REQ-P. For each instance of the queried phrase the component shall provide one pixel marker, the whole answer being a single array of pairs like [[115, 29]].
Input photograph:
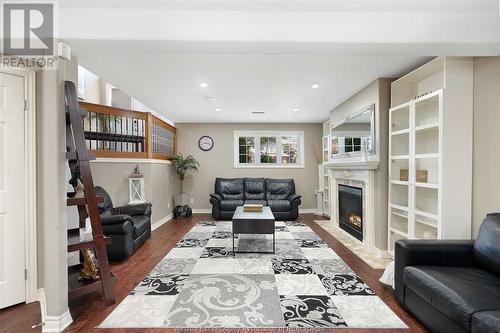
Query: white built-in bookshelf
[[324, 173], [430, 152]]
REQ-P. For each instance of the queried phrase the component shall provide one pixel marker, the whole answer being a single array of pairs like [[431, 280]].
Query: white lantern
[[136, 187]]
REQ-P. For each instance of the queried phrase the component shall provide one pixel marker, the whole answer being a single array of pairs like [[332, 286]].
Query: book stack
[[253, 208]]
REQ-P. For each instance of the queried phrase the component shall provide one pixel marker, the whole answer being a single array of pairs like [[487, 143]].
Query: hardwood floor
[[88, 312]]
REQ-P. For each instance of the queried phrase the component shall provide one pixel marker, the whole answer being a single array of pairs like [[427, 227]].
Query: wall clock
[[206, 143]]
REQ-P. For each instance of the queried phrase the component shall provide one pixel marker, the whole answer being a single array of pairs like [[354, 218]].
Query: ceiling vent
[[258, 112]]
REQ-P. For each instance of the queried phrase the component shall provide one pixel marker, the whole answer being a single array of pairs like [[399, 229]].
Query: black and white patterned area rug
[[200, 284]]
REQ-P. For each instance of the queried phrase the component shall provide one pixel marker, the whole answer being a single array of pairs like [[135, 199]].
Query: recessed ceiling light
[[216, 110], [315, 86], [295, 110], [204, 85]]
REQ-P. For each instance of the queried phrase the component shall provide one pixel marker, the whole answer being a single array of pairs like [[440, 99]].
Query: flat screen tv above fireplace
[[351, 210]]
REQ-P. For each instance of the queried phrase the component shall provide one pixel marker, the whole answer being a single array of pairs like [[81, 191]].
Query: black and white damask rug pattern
[[200, 284]]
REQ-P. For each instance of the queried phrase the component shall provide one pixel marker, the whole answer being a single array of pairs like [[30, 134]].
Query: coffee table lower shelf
[[264, 252]]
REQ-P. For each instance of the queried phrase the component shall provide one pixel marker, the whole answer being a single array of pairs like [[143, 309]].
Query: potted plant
[[182, 166]]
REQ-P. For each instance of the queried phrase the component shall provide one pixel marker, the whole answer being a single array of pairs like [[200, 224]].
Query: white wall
[[486, 164]]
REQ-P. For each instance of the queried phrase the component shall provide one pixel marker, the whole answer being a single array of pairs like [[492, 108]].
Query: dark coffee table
[[253, 223]]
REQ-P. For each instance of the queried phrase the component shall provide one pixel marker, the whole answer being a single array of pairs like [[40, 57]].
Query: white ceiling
[[264, 55], [241, 84]]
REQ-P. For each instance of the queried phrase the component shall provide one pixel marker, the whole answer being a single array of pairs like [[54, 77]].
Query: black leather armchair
[[278, 194], [452, 286], [127, 226]]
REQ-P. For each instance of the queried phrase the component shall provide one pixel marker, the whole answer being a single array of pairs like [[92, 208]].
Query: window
[[81, 82], [268, 149], [246, 149]]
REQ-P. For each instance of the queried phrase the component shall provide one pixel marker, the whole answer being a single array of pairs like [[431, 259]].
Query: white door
[[12, 224]]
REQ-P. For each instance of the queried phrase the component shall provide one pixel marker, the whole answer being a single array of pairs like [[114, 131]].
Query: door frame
[[30, 202]]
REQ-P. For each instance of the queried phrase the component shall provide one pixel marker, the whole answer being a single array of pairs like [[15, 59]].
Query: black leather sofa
[[127, 226], [452, 286], [278, 194]]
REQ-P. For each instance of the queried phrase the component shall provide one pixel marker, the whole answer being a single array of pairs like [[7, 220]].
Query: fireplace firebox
[[351, 210]]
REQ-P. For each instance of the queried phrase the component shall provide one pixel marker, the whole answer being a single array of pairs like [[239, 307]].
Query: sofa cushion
[[141, 224], [279, 189], [255, 189], [487, 245], [279, 205], [486, 322], [230, 188], [256, 202], [456, 292], [230, 204]]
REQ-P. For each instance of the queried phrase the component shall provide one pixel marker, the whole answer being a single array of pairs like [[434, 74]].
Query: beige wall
[[486, 165], [160, 182], [219, 162]]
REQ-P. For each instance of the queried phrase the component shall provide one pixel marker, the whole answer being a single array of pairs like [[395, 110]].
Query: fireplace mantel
[[352, 164]]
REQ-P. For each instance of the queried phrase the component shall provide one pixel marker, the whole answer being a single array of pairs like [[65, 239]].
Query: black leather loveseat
[[278, 194], [452, 286], [127, 226]]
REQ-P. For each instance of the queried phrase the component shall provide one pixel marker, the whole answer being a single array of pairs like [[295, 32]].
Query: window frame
[[257, 161]]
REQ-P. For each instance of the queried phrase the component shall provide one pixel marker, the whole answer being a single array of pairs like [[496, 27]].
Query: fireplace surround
[[350, 199]]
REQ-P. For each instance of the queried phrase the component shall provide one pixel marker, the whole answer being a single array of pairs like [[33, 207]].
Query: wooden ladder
[[78, 160]]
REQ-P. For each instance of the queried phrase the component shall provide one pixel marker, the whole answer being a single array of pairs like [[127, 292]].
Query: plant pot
[[181, 199]]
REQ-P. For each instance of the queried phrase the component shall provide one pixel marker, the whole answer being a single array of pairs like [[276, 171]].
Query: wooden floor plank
[[89, 311]]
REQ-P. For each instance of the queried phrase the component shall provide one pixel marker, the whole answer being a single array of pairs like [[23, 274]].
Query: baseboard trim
[[56, 324], [162, 221], [43, 304], [202, 210], [307, 210]]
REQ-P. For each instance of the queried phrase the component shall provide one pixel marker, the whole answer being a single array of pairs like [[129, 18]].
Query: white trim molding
[[43, 304], [162, 221], [56, 324], [308, 210], [52, 324], [202, 210], [343, 164], [30, 188]]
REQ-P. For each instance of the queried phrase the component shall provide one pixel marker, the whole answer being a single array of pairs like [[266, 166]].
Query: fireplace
[[351, 210]]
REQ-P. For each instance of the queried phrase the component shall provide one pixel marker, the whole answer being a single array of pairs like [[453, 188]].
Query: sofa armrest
[[429, 252], [115, 219], [133, 210], [122, 227], [216, 196], [293, 197]]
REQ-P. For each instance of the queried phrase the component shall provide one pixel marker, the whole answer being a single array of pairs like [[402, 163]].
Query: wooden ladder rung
[[80, 201], [76, 244]]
